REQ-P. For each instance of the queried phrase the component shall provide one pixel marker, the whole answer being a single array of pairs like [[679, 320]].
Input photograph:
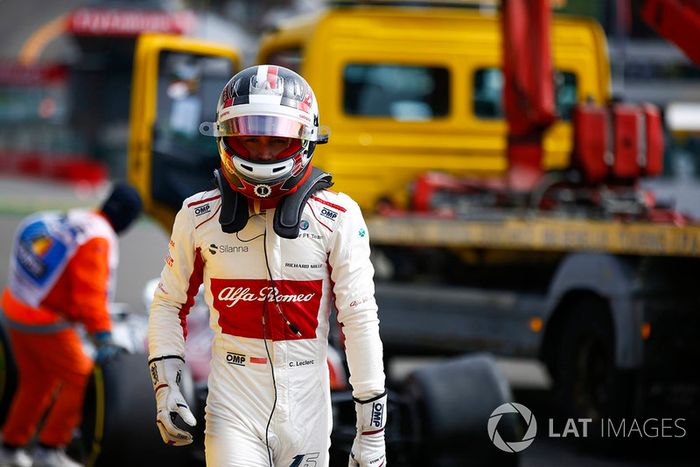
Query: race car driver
[[61, 273], [274, 249]]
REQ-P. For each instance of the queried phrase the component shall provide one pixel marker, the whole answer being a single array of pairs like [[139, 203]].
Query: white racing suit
[[328, 262]]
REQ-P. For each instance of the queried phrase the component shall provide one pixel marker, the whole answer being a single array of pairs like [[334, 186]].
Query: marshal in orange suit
[[61, 273]]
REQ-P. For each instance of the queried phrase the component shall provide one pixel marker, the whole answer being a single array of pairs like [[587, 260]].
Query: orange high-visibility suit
[[60, 274]]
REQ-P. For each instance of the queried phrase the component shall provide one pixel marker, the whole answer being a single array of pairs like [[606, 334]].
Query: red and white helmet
[[266, 100]]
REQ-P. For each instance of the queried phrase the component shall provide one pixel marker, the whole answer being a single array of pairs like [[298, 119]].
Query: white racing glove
[[165, 375], [368, 449]]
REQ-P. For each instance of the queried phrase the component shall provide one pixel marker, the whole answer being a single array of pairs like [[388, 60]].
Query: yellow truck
[[608, 306], [406, 90]]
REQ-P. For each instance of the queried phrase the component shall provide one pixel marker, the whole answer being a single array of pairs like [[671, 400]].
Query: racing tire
[[119, 414], [8, 375], [453, 403]]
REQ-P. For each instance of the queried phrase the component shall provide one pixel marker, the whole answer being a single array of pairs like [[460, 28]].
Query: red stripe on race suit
[[240, 303], [195, 203], [192, 289], [328, 203]]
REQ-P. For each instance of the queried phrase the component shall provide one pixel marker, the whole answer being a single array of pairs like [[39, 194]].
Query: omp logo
[[377, 414], [512, 446], [325, 212], [214, 249], [235, 359], [198, 211]]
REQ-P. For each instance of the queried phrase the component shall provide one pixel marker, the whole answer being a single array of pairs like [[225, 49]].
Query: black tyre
[[8, 375], [587, 383], [118, 425], [454, 401]]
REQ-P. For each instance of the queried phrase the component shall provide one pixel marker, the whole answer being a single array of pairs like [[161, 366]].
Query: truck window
[[407, 93], [188, 90], [488, 89], [288, 58]]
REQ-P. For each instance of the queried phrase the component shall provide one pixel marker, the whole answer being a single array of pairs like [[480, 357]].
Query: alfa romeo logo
[[512, 446]]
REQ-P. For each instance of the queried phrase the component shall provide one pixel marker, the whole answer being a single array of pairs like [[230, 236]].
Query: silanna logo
[[214, 249]]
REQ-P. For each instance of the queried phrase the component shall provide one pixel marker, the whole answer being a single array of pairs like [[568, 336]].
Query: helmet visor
[[265, 149], [259, 125]]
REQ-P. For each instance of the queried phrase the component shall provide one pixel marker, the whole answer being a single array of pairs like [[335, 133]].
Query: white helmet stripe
[[262, 74]]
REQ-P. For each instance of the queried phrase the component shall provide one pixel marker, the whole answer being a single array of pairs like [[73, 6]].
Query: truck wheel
[[8, 375], [587, 384], [119, 426], [453, 403]]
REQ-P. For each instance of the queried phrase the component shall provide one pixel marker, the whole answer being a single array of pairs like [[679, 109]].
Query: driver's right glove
[[165, 375]]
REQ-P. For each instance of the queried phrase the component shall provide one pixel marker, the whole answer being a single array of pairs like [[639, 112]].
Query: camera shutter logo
[[512, 446]]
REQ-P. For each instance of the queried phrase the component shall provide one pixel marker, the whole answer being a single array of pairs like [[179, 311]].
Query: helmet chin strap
[[233, 216]]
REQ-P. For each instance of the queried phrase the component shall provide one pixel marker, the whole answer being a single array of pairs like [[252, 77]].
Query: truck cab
[[407, 90], [175, 86], [395, 108]]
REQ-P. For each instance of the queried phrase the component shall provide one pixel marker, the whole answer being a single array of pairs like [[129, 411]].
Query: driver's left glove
[[368, 449]]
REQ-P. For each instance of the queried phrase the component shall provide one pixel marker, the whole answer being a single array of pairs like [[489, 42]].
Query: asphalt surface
[[144, 247]]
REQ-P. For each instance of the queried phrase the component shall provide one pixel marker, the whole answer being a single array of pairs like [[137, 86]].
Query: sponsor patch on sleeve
[[201, 210], [329, 213]]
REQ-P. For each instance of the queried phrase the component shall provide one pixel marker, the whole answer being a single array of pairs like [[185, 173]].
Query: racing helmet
[[266, 100]]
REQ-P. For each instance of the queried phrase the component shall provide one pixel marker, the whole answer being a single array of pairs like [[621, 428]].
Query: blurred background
[[64, 104], [65, 94], [65, 81]]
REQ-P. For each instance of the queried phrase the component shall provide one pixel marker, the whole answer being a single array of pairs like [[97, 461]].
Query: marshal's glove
[[106, 348], [165, 375], [368, 449]]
